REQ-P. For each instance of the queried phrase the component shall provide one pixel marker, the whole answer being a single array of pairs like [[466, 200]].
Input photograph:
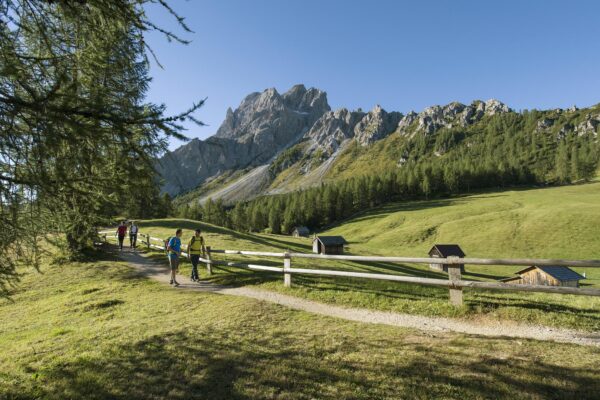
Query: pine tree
[[574, 171], [78, 140], [562, 164]]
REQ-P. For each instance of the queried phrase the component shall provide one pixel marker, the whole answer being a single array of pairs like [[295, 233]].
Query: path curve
[[159, 272]]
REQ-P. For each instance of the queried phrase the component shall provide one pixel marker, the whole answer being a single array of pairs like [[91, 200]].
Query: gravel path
[[159, 272]]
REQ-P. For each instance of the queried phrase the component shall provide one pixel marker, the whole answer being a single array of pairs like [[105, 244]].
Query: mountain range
[[275, 143]]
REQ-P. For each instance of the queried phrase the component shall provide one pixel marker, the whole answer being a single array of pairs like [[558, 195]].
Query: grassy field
[[554, 222], [98, 330]]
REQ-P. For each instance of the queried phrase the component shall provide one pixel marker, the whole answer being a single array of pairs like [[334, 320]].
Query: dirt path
[[159, 271]]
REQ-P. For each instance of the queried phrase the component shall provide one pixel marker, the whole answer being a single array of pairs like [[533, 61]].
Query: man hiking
[[174, 252], [133, 232], [196, 249], [121, 232]]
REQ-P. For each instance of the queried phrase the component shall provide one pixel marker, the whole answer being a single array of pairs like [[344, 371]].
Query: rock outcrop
[[263, 125], [376, 125], [454, 114], [589, 126], [333, 128]]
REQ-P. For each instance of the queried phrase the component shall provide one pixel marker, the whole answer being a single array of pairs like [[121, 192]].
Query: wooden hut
[[443, 251], [300, 231], [329, 244], [546, 276]]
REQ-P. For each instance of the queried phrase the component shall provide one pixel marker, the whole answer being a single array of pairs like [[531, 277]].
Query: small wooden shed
[[546, 276], [443, 251], [329, 244], [300, 231]]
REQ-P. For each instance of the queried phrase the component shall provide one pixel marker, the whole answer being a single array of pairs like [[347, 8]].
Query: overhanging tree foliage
[[77, 137]]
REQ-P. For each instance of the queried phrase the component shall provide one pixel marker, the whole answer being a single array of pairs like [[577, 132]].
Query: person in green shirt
[[196, 249]]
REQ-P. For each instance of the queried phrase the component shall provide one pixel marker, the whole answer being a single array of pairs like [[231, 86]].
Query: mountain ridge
[[269, 132]]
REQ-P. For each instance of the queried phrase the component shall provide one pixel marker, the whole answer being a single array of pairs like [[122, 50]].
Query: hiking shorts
[[173, 262]]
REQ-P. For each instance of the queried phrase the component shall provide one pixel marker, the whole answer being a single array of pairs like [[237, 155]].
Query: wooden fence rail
[[454, 282]]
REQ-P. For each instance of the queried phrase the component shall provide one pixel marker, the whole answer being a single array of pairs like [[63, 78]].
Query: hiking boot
[[171, 282], [176, 283]]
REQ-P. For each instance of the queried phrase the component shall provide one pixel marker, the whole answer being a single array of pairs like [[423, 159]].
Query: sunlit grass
[[98, 330], [557, 222]]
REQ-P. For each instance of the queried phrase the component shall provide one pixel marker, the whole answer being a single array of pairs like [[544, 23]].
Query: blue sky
[[400, 54]]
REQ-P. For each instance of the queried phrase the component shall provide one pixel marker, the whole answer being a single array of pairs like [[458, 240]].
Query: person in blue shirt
[[174, 252]]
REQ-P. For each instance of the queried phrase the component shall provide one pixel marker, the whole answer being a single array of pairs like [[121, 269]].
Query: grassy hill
[[555, 222], [97, 330], [546, 223]]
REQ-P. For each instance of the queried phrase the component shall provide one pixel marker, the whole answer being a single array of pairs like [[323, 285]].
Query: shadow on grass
[[300, 365], [270, 240], [363, 293], [544, 306]]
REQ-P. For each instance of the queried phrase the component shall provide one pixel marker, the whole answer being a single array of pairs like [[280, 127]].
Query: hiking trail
[[160, 272]]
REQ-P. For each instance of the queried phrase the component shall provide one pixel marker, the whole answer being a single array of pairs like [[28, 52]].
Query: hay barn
[[329, 244], [546, 276], [443, 251], [300, 231]]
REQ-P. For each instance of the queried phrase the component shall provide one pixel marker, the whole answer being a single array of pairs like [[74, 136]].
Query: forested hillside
[[500, 150]]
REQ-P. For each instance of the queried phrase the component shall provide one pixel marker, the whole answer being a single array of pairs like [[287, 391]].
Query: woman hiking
[[174, 252], [133, 232], [121, 232], [196, 249]]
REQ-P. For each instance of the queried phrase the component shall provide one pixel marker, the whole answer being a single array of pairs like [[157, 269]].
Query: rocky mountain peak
[[269, 111], [376, 125], [263, 125], [493, 106]]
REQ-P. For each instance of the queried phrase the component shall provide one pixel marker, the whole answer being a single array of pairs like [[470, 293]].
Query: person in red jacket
[[121, 232]]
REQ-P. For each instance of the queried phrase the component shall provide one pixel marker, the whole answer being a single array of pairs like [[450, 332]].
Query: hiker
[[133, 232], [195, 250], [121, 232], [174, 251]]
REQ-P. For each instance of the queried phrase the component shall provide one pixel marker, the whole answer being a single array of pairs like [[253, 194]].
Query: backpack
[[193, 241]]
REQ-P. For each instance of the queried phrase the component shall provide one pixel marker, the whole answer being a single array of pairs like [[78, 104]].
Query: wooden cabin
[[443, 251], [546, 276], [329, 244], [300, 231]]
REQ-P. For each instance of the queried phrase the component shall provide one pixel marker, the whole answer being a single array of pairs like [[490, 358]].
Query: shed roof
[[331, 240], [510, 279], [556, 271], [448, 250], [302, 229]]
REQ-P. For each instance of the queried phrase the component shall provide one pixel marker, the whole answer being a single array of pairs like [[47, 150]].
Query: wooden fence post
[[287, 264], [148, 240], [454, 274], [209, 262]]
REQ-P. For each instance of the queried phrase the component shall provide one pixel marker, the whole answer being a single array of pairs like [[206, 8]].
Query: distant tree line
[[505, 151]]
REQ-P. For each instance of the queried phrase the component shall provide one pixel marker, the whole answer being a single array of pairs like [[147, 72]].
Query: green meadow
[[99, 330], [559, 222]]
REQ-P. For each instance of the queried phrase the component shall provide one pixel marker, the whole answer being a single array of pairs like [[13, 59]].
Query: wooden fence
[[454, 283]]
